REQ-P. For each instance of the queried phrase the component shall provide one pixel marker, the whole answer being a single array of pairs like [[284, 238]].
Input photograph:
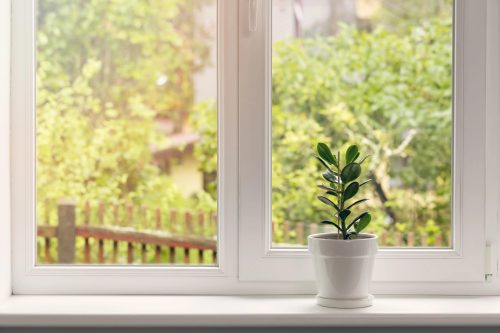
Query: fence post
[[423, 240], [173, 221], [300, 233], [66, 231], [158, 226], [383, 238], [100, 213], [215, 226], [86, 246], [188, 226], [313, 229], [286, 231], [130, 215], [201, 224], [439, 240], [398, 239], [411, 239]]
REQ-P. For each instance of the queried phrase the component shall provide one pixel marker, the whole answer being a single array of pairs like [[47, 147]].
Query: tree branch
[[383, 198]]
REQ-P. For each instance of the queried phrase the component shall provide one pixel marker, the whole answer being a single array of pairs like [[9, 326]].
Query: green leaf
[[326, 154], [365, 182], [344, 214], [325, 164], [351, 153], [329, 176], [327, 201], [331, 223], [355, 220], [363, 222], [349, 235], [351, 191], [329, 190], [356, 202], [364, 158], [350, 172], [326, 188]]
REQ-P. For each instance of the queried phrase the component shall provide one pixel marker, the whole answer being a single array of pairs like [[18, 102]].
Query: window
[[375, 73], [132, 40], [126, 132], [126, 83], [270, 95]]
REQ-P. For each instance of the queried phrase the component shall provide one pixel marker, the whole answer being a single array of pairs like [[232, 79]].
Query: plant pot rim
[[326, 237]]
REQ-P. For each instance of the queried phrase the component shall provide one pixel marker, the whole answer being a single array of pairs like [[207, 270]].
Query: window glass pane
[[126, 132], [376, 73]]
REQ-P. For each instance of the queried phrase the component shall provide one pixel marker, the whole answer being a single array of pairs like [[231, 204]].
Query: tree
[[105, 71], [145, 49], [389, 92]]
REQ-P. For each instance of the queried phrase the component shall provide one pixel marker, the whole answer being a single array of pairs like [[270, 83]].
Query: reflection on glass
[[377, 73], [126, 132]]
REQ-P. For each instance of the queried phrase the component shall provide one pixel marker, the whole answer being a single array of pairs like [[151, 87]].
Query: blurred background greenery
[[374, 73], [126, 106]]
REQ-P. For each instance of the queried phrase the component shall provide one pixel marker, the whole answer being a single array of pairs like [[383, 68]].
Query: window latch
[[252, 15], [488, 272]]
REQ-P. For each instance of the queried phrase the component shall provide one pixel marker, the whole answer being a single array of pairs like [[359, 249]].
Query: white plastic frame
[[464, 262], [5, 239], [29, 278], [247, 264]]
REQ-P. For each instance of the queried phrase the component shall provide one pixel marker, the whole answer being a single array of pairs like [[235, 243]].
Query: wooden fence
[[295, 234], [165, 241], [172, 237]]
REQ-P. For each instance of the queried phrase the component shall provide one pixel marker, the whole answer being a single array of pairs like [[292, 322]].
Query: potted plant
[[343, 260]]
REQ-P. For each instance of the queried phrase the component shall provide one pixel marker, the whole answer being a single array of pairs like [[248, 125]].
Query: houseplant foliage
[[342, 187], [343, 260]]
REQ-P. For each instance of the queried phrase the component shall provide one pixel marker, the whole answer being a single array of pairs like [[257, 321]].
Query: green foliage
[[204, 121], [325, 156], [105, 71], [388, 89], [147, 49], [400, 16], [111, 162], [343, 189]]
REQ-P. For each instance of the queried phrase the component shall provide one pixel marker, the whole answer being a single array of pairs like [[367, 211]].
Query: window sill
[[245, 311]]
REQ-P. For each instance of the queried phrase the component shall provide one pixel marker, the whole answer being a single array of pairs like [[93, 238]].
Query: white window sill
[[244, 311]]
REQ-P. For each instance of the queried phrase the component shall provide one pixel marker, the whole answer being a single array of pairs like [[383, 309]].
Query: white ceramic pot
[[343, 269]]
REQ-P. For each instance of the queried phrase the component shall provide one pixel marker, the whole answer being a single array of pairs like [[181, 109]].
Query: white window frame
[[246, 265], [464, 262], [31, 279], [5, 69]]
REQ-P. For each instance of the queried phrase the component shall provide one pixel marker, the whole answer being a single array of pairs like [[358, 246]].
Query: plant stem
[[340, 198]]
